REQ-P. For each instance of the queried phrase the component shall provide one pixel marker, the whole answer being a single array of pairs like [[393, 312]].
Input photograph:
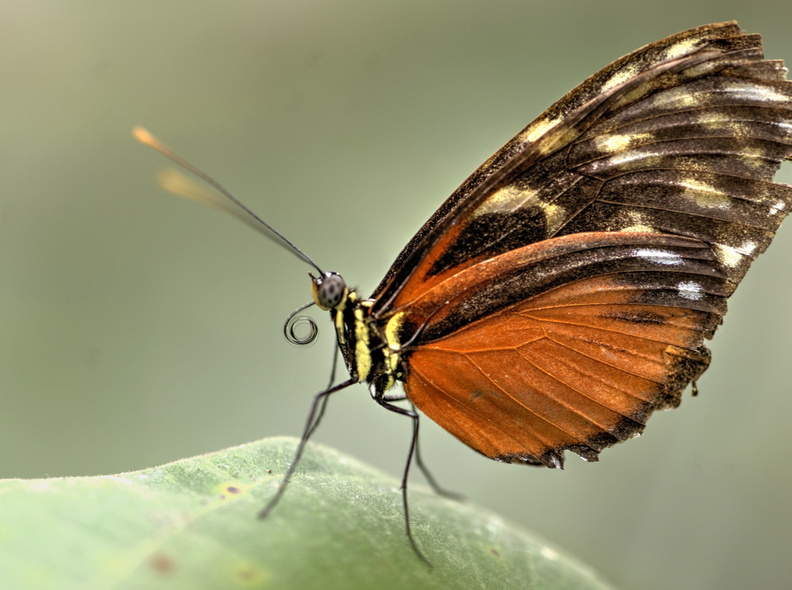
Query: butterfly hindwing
[[580, 339], [574, 377]]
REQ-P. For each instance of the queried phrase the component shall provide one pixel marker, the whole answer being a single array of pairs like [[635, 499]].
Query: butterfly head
[[329, 290]]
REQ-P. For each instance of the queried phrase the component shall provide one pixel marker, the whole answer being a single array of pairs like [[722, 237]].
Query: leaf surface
[[192, 524]]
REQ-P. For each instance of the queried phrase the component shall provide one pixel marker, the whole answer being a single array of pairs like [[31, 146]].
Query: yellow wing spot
[[727, 255], [555, 215], [619, 143], [718, 121], [680, 49], [505, 200], [538, 129], [699, 70], [754, 156], [633, 95], [638, 229], [705, 195], [621, 76], [713, 118], [638, 223], [685, 101]]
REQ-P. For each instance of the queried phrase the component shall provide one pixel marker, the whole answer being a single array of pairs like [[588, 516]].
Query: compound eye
[[329, 290]]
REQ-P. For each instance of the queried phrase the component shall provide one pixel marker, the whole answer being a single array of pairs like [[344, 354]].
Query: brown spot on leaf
[[162, 563]]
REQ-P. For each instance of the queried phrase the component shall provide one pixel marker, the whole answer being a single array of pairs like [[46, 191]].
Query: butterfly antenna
[[177, 183]]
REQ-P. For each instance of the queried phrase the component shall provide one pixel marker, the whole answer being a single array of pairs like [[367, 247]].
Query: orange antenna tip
[[143, 136]]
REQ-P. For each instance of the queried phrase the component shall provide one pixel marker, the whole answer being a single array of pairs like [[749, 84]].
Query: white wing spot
[[748, 248], [621, 158], [760, 94], [659, 256], [690, 290]]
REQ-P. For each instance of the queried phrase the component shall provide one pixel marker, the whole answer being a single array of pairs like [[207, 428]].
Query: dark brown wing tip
[[686, 368]]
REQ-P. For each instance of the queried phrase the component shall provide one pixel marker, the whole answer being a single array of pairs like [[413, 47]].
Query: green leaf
[[192, 524]]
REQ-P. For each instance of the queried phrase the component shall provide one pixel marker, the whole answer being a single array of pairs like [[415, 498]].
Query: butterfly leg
[[387, 403], [436, 487], [314, 416], [323, 405]]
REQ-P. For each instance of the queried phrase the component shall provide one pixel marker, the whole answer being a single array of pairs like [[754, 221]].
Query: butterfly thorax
[[371, 347]]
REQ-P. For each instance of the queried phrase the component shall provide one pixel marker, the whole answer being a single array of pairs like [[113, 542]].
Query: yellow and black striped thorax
[[372, 348]]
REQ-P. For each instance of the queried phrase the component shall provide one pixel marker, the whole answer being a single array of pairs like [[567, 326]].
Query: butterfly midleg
[[436, 487], [387, 403]]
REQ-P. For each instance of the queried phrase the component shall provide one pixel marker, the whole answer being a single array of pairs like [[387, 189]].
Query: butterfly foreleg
[[323, 405], [314, 417]]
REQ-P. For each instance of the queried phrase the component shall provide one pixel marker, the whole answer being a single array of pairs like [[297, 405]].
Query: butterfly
[[565, 290]]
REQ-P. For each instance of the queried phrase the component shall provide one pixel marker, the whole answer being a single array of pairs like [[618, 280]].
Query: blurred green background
[[137, 328]]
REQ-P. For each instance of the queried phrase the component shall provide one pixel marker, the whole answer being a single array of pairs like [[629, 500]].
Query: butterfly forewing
[[497, 185], [564, 291]]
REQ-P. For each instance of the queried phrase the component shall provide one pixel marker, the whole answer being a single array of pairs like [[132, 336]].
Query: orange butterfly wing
[[576, 369], [578, 366]]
